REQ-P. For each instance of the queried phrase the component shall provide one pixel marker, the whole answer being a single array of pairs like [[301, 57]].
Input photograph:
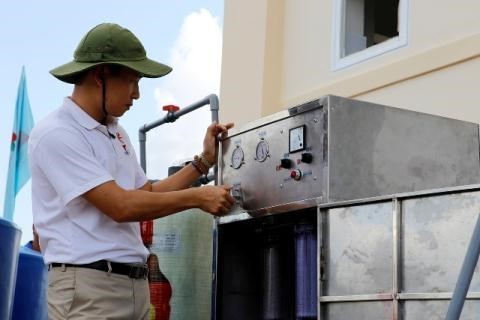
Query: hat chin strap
[[104, 107]]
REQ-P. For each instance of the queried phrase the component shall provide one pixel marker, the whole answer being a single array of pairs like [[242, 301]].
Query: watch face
[[297, 139]]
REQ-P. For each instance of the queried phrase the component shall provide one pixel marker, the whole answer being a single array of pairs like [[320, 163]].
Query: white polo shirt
[[71, 153]]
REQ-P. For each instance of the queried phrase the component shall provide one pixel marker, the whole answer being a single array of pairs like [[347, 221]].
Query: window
[[367, 28]]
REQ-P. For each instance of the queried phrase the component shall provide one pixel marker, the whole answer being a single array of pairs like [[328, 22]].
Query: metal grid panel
[[415, 242], [373, 310], [436, 233], [359, 246], [436, 310]]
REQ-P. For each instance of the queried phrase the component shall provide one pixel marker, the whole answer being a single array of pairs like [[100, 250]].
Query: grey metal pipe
[[142, 138], [211, 100], [465, 276]]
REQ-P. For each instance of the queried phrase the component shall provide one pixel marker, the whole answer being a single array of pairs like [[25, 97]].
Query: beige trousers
[[79, 293]]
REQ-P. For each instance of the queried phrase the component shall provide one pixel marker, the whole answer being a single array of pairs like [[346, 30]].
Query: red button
[[296, 175]]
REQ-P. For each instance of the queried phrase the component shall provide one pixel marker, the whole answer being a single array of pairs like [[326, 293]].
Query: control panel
[[338, 149], [276, 162]]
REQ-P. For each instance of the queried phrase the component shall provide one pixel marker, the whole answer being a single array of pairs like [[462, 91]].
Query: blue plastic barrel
[[30, 302], [9, 245]]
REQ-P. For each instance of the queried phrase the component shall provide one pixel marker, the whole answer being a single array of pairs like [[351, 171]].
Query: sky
[[41, 35]]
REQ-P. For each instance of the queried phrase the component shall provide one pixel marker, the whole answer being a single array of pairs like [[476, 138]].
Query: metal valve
[[171, 108], [237, 193]]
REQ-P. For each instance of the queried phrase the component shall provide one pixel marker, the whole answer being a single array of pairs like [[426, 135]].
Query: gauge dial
[[262, 151], [297, 139], [237, 157]]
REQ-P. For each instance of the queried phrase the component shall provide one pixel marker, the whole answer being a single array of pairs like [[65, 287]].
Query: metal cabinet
[[346, 210]]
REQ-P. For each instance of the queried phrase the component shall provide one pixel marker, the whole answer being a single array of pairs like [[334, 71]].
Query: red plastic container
[[146, 230], [160, 289]]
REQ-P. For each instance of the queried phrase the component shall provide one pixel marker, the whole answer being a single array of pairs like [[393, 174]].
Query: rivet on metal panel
[[315, 178], [315, 120], [281, 131], [281, 185]]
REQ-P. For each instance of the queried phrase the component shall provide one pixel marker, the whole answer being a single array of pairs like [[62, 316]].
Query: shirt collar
[[83, 118]]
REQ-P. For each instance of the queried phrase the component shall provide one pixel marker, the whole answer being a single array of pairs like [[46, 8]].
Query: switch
[[286, 163], [307, 157], [296, 174]]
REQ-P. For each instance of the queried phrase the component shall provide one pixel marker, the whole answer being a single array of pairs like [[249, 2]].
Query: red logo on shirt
[[124, 145]]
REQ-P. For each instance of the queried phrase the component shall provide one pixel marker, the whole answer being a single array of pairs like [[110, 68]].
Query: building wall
[[278, 53], [251, 58]]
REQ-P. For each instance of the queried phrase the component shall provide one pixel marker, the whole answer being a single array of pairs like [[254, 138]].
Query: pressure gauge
[[237, 158], [261, 153], [297, 139]]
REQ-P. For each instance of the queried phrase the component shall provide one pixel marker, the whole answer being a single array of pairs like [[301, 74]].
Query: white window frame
[[339, 62]]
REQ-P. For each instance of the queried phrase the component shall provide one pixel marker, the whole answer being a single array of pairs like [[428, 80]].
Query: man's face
[[122, 89]]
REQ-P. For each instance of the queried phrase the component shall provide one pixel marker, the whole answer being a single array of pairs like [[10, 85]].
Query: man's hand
[[210, 140], [215, 199]]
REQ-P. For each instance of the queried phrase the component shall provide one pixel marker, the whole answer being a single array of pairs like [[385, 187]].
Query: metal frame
[[396, 229], [396, 296], [397, 200], [320, 256]]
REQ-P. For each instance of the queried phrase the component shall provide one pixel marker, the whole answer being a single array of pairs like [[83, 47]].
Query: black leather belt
[[130, 270]]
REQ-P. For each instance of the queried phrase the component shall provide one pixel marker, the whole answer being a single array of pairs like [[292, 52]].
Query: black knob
[[307, 157], [286, 163]]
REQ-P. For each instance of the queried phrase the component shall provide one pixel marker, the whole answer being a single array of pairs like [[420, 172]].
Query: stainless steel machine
[[345, 210]]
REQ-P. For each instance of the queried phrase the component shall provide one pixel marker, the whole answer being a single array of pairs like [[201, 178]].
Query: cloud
[[196, 62]]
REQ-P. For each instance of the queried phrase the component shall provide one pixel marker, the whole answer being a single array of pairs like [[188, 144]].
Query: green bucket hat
[[109, 43]]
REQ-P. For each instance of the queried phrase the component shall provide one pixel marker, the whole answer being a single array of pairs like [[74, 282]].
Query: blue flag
[[18, 169]]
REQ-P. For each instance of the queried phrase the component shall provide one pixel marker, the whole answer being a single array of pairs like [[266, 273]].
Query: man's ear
[[98, 74]]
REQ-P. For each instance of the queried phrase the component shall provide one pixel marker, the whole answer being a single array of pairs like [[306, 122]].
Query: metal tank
[[346, 210]]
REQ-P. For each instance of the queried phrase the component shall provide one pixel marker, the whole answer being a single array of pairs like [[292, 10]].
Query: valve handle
[[171, 108]]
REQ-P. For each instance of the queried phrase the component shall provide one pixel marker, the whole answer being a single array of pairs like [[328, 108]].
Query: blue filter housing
[[305, 271]]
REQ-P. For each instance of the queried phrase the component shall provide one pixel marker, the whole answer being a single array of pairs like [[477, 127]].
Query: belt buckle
[[137, 272]]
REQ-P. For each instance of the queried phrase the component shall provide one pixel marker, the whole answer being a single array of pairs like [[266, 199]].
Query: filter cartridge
[[305, 271]]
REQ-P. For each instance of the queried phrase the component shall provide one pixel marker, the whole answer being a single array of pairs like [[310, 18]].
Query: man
[[89, 191]]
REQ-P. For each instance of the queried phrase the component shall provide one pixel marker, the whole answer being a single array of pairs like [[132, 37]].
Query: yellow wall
[[251, 58], [277, 53]]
